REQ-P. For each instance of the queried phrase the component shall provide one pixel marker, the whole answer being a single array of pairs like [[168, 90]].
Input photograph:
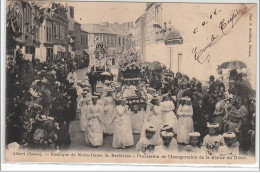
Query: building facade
[[140, 36]]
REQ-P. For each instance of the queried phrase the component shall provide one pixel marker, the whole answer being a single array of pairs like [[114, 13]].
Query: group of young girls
[[160, 129]]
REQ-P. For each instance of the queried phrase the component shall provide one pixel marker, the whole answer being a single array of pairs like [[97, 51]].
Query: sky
[[97, 12]]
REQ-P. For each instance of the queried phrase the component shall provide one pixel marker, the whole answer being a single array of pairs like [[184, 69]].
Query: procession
[[143, 106]]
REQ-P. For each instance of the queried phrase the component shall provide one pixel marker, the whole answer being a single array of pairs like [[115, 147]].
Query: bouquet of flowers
[[130, 60]]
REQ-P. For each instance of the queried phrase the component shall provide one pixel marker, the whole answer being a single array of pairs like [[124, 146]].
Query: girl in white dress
[[168, 145], [213, 140], [84, 101], [123, 136], [153, 118], [94, 131], [185, 122], [193, 146], [109, 113], [137, 117], [231, 147], [168, 116]]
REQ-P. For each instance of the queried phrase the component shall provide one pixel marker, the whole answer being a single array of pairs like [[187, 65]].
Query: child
[[147, 144], [231, 147], [185, 113], [169, 144], [123, 136], [194, 147], [213, 140]]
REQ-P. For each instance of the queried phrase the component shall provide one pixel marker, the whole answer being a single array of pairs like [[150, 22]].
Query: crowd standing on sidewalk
[[168, 110]]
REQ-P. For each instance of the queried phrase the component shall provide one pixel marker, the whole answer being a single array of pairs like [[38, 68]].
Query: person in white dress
[[105, 88], [72, 77], [84, 101], [213, 140], [185, 122], [168, 145], [123, 136], [231, 147], [127, 90], [153, 118], [147, 144], [94, 131], [137, 115], [194, 145], [109, 113], [168, 116]]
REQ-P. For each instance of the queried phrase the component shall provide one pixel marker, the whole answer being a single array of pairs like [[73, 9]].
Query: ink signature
[[226, 26]]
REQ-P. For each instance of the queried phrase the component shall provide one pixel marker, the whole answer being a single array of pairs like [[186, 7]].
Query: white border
[[123, 167]]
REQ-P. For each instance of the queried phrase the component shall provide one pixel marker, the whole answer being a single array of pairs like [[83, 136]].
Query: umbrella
[[238, 64], [105, 74]]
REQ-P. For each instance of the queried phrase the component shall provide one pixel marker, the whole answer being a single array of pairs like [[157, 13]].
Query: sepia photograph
[[130, 82]]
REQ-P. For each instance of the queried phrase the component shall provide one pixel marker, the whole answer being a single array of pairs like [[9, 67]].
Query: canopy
[[237, 64]]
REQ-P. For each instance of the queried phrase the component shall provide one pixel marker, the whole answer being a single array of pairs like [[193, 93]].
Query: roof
[[174, 34], [96, 28], [117, 28]]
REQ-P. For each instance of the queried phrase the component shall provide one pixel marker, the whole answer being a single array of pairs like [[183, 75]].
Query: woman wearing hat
[[109, 113], [185, 122], [153, 117], [94, 131], [123, 136]]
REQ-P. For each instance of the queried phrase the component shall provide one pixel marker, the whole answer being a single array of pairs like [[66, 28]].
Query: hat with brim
[[151, 89], [96, 94], [229, 135], [212, 125]]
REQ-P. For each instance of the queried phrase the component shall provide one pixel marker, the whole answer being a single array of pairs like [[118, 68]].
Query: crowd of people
[[171, 112], [180, 115], [40, 103]]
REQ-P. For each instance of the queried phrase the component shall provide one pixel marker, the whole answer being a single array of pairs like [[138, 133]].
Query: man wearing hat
[[231, 146], [212, 84]]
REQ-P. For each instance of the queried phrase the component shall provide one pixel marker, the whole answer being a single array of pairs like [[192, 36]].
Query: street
[[78, 138]]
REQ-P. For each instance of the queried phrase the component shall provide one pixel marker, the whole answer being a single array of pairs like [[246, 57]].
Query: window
[[123, 41], [109, 40], [47, 34], [119, 41], [105, 40], [113, 41], [87, 39]]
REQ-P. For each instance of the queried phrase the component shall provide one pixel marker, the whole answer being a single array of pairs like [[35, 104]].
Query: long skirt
[[137, 121], [123, 135], [185, 127], [109, 119], [83, 120], [219, 119], [169, 118], [94, 133]]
